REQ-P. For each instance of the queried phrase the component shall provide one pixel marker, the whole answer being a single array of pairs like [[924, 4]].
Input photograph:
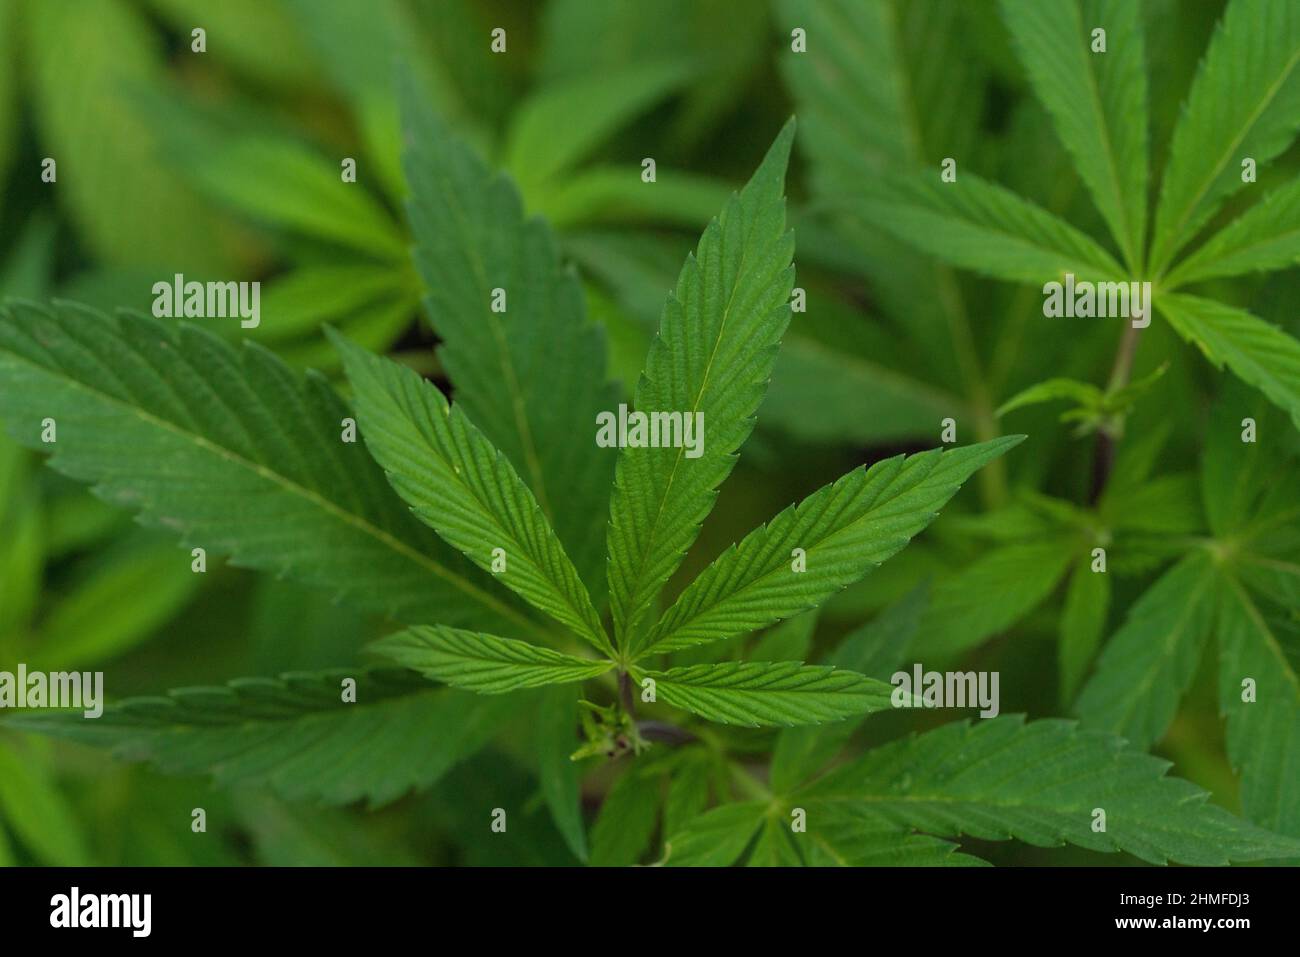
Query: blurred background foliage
[[225, 165]]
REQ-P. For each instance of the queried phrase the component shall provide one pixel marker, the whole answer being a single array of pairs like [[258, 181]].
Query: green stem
[[1108, 435]]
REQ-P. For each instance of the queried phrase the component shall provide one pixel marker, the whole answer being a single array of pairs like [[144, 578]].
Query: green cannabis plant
[[445, 547]]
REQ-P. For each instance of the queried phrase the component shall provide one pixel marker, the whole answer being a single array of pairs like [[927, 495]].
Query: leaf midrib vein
[[745, 253], [383, 537], [1175, 233]]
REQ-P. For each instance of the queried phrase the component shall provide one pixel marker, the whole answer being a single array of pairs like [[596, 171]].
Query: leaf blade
[[278, 493], [532, 377], [1098, 101], [1244, 102], [844, 529], [1039, 782], [1264, 238], [1148, 664], [458, 483], [483, 663], [981, 226], [1256, 351], [295, 734], [762, 693], [1263, 735], [730, 306]]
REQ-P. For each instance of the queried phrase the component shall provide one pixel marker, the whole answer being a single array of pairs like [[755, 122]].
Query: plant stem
[[1104, 451], [625, 694], [1123, 367]]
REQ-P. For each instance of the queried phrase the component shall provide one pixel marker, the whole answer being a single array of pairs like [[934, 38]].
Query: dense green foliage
[[385, 589]]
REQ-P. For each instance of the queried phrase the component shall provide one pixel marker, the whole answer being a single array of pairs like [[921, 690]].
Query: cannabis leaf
[[1098, 102], [1043, 782], [1244, 102], [1257, 351], [230, 450], [844, 530], [553, 649], [981, 226], [462, 486], [528, 375], [713, 356], [484, 663], [1232, 584], [875, 649], [764, 693], [465, 488], [1149, 663], [1264, 238], [296, 734]]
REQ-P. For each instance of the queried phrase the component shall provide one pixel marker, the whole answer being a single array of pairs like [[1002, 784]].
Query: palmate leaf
[[1040, 782], [590, 108], [1258, 352], [36, 812], [463, 487], [851, 836], [297, 190], [1148, 664], [1265, 237], [1244, 102], [296, 734], [606, 193], [233, 453], [1083, 622], [887, 87], [845, 529], [483, 663], [991, 594], [627, 817], [842, 838], [532, 378], [717, 342], [775, 847], [94, 126], [688, 786], [1251, 493], [1098, 101], [981, 226], [558, 774], [357, 48], [769, 693], [1263, 733], [717, 837], [875, 650], [1249, 488]]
